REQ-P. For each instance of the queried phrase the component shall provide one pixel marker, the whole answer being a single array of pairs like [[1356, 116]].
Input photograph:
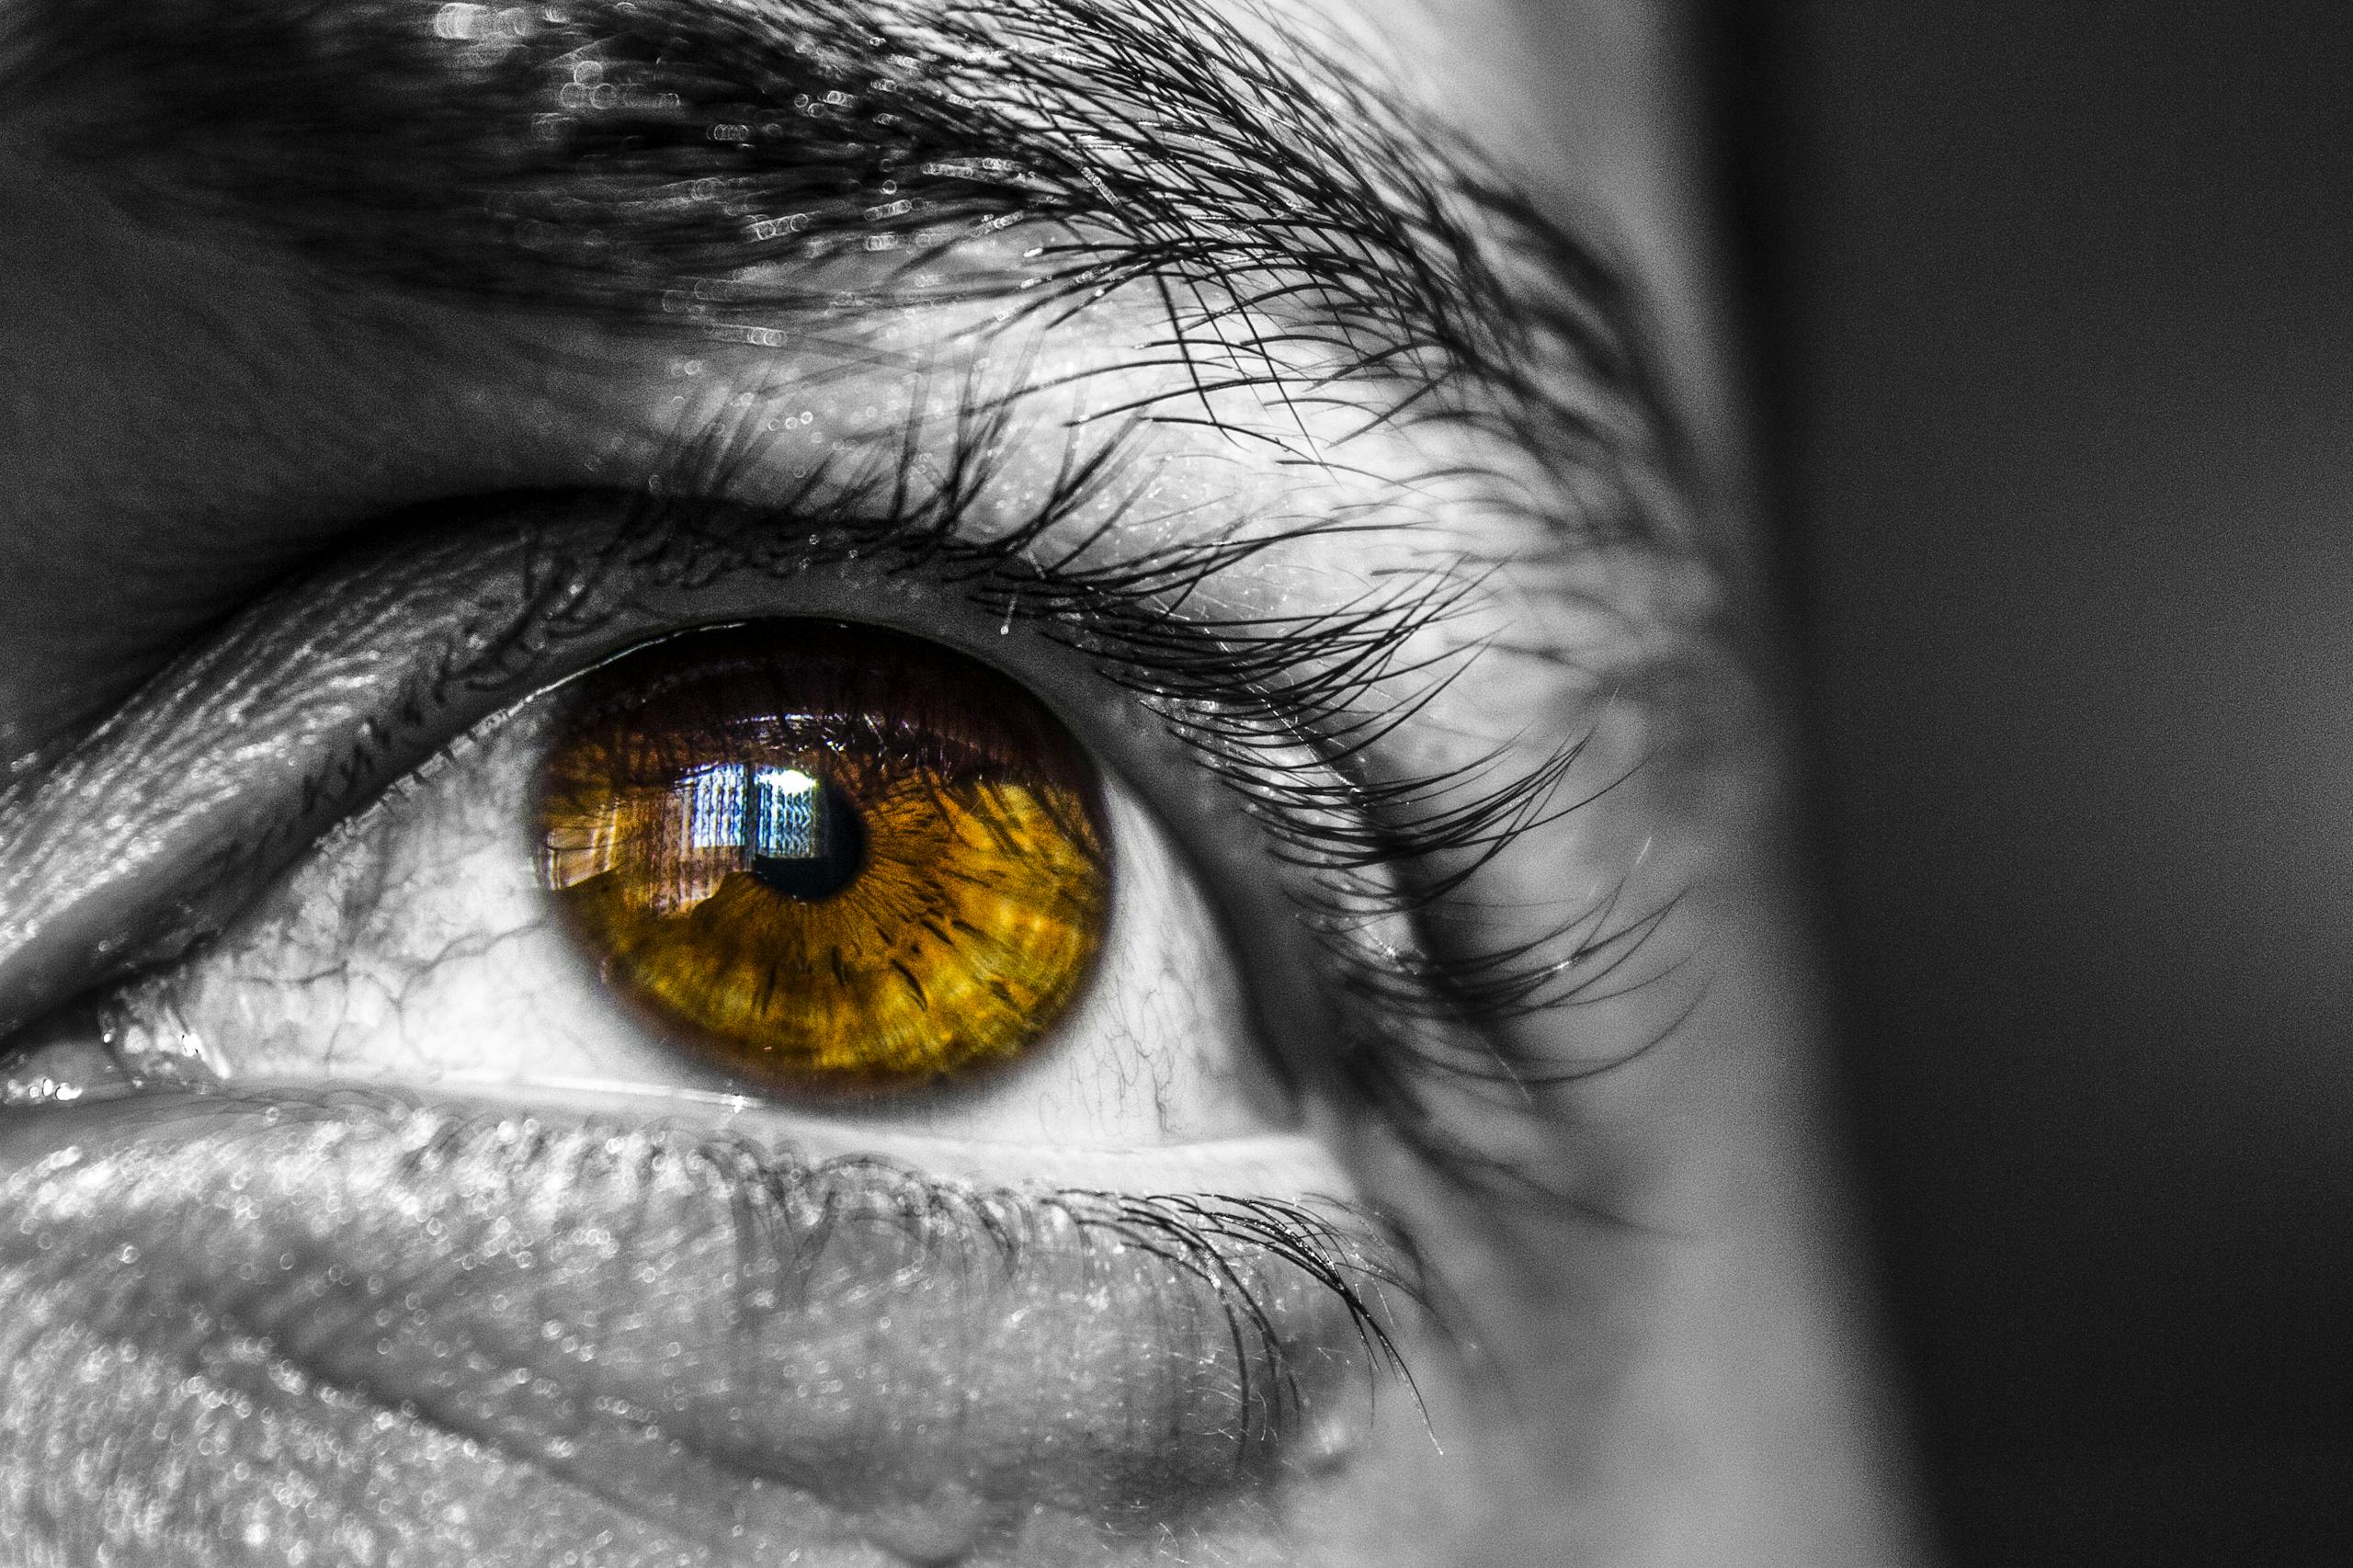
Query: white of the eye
[[415, 947]]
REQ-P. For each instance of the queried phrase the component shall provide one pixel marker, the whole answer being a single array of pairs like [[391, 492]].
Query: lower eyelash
[[1233, 1245], [434, 1200]]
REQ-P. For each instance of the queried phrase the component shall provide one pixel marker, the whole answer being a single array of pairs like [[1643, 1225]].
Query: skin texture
[[1642, 1347]]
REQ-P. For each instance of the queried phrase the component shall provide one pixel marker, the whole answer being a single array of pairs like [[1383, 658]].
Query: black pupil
[[832, 855]]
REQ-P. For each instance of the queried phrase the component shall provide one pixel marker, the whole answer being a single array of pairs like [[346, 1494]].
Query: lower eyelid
[[415, 1258]]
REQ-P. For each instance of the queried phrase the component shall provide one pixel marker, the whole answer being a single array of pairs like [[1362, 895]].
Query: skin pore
[[1353, 509]]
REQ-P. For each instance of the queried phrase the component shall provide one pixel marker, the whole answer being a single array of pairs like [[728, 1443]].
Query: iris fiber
[[825, 857]]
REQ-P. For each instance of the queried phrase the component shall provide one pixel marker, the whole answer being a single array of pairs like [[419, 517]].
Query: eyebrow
[[695, 164]]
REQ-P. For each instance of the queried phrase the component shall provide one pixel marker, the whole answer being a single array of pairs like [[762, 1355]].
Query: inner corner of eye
[[837, 863]]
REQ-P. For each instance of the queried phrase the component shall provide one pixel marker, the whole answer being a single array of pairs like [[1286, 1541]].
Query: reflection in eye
[[827, 858]]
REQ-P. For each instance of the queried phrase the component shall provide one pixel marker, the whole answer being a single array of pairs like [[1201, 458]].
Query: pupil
[[795, 831]]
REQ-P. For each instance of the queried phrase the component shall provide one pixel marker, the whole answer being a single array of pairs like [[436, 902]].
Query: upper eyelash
[[1244, 697], [1232, 692]]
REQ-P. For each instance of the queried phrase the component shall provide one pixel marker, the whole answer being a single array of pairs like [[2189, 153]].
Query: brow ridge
[[719, 163]]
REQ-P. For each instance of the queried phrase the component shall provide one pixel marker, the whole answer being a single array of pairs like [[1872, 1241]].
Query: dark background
[[2054, 306]]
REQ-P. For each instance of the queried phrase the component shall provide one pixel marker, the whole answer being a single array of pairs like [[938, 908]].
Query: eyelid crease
[[213, 774]]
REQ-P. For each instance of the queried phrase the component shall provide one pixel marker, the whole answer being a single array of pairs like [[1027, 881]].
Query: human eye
[[872, 785], [793, 862]]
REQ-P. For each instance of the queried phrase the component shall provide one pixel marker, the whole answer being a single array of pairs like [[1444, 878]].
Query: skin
[[1665, 1361]]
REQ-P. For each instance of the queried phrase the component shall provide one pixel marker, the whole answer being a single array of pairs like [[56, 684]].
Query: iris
[[825, 857]]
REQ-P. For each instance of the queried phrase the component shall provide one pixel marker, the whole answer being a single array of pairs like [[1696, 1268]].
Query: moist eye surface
[[826, 858]]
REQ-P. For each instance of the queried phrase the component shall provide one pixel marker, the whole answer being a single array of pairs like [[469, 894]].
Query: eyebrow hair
[[694, 162]]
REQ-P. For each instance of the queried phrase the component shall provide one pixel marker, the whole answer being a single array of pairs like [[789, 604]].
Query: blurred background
[[2053, 310]]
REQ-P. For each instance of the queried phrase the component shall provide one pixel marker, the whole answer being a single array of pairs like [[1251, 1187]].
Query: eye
[[827, 858], [794, 870]]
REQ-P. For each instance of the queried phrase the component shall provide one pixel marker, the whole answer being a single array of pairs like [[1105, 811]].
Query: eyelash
[[1245, 1253], [1199, 1235], [1245, 698]]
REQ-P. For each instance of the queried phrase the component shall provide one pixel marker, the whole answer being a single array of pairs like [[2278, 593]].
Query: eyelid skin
[[547, 1326]]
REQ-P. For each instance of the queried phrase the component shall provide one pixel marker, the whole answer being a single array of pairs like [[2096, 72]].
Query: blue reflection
[[785, 823], [714, 802]]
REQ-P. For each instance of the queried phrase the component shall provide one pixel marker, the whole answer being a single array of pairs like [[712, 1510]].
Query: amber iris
[[826, 856]]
